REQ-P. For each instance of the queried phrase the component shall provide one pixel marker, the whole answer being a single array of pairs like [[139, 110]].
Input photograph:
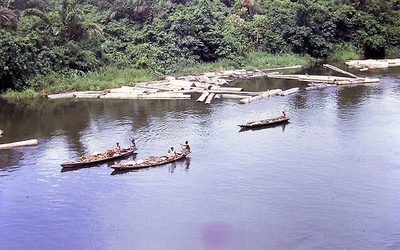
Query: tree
[[8, 18]]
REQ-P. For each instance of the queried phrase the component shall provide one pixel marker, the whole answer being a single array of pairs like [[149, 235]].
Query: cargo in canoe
[[152, 161], [111, 154], [266, 122]]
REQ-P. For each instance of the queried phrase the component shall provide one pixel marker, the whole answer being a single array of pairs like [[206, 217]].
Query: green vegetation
[[62, 45]]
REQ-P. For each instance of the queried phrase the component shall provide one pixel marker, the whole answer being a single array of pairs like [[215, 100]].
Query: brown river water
[[330, 179]]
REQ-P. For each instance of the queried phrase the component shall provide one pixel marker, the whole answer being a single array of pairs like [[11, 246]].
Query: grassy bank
[[112, 77]]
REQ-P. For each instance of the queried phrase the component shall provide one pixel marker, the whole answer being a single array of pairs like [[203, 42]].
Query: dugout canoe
[[109, 155], [152, 161], [265, 123]]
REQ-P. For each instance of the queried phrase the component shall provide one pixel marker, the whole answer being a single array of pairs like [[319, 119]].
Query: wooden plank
[[32, 142]]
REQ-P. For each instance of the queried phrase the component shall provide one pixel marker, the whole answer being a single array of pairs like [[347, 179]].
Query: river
[[330, 179]]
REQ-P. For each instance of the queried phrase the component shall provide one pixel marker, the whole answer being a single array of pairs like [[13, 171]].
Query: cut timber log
[[339, 70], [32, 142], [209, 98], [358, 81], [320, 86], [289, 91], [158, 95], [226, 89], [203, 97], [373, 64], [182, 84], [233, 96], [260, 96], [323, 79], [289, 67], [87, 96], [61, 96]]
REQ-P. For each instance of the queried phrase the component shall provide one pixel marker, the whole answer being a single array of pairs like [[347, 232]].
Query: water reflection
[[282, 125]]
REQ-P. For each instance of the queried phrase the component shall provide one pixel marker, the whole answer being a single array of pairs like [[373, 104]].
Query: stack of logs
[[215, 85], [370, 64]]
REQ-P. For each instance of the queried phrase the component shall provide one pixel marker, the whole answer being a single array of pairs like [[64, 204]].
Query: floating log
[[61, 95], [288, 77], [289, 67], [289, 91], [319, 86], [158, 95], [32, 142], [233, 96], [340, 70], [226, 89], [87, 96], [203, 96], [358, 81], [373, 64], [323, 79], [134, 90], [209, 98], [260, 96], [182, 84]]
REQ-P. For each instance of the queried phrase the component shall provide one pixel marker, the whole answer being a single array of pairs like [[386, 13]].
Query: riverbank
[[112, 77]]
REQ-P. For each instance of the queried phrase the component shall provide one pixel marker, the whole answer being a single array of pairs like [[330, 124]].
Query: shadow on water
[[283, 125]]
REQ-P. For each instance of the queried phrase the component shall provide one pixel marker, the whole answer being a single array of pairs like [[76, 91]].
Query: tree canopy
[[77, 37]]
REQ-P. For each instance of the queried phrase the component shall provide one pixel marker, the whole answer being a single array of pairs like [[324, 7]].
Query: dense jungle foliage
[[61, 39]]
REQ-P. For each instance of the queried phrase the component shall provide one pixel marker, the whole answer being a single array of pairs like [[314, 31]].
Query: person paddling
[[185, 147]]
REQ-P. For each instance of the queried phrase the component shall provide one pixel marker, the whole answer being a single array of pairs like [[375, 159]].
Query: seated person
[[185, 147], [171, 153]]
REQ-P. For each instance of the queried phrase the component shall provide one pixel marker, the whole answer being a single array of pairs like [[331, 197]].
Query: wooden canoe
[[152, 161], [108, 155], [266, 122]]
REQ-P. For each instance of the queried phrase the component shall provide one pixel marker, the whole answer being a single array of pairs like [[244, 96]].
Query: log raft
[[213, 85], [371, 64]]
